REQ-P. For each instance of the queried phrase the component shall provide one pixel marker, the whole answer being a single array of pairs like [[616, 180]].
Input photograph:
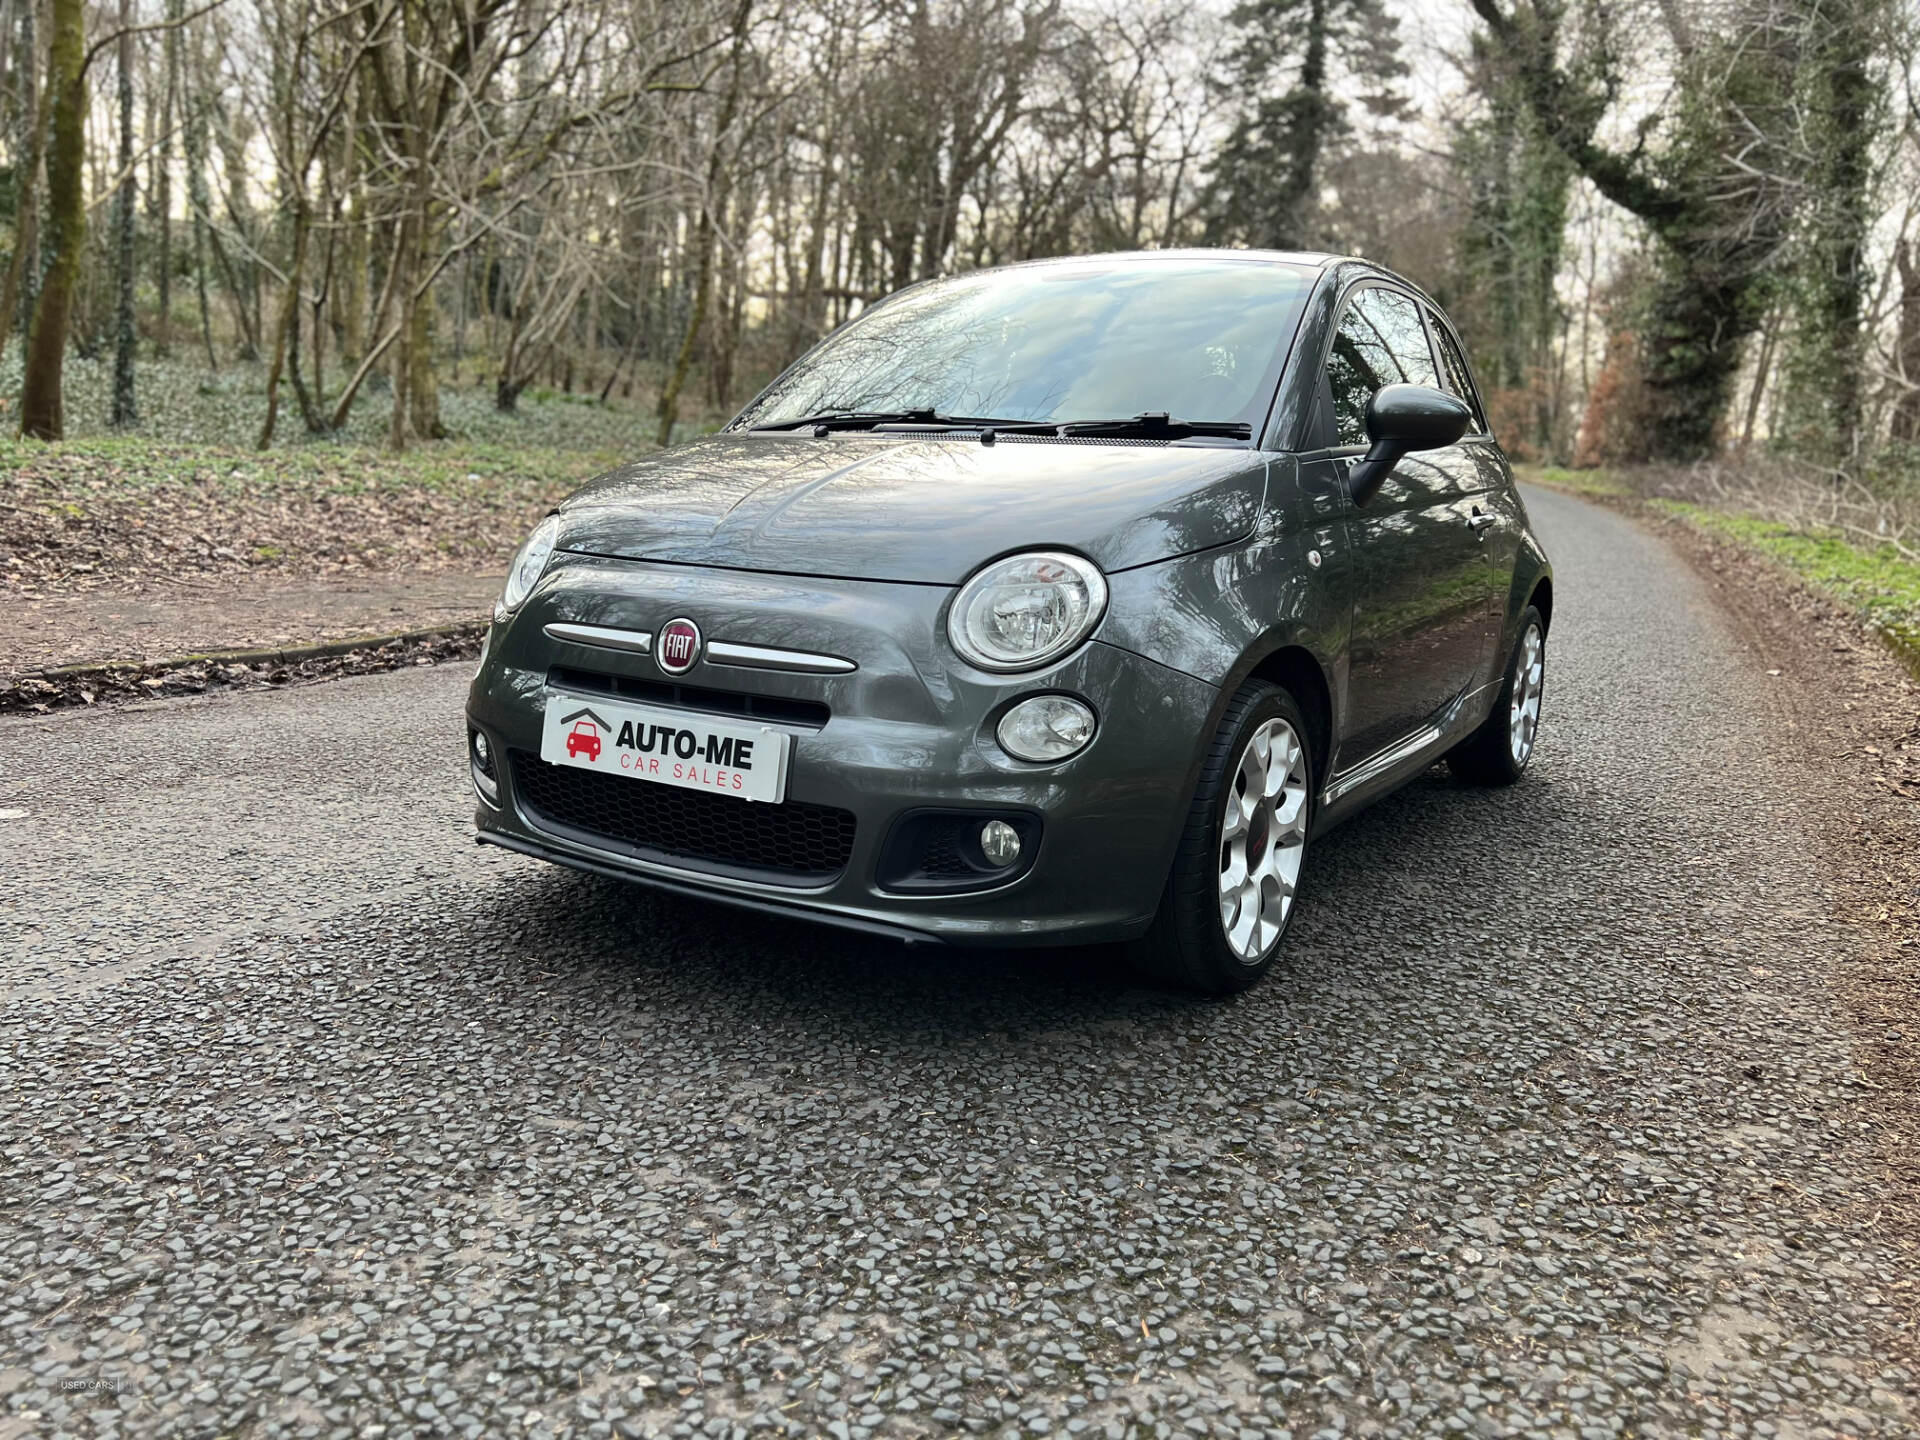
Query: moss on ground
[[1578, 482], [1879, 584]]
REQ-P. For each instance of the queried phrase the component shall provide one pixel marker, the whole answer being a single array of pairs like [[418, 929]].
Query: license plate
[[668, 747]]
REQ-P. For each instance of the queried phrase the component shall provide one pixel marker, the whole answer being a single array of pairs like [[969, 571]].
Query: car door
[[1487, 480], [1419, 632]]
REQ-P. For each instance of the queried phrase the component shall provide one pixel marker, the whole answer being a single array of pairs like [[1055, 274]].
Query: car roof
[[1310, 259], [1317, 260]]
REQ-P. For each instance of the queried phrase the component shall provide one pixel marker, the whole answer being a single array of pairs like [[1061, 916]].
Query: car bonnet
[[925, 511]]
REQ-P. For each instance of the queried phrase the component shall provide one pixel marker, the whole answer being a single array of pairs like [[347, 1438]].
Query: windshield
[[1195, 340]]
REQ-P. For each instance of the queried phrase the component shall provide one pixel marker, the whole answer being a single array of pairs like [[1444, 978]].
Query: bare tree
[[42, 402], [126, 408]]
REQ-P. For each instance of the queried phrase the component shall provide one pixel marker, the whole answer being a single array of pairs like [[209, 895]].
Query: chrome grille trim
[[761, 657], [636, 641]]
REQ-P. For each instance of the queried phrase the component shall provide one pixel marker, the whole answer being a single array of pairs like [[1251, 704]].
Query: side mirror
[[1400, 420]]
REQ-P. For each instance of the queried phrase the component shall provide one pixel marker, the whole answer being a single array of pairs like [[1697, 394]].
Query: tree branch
[[126, 31]]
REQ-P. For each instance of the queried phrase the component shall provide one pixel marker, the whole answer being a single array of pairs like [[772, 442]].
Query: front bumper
[[909, 732]]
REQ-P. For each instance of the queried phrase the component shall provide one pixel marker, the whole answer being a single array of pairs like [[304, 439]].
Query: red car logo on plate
[[584, 736], [677, 646]]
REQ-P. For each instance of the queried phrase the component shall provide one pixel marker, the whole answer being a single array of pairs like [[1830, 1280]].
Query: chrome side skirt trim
[[1377, 764], [761, 657], [635, 641]]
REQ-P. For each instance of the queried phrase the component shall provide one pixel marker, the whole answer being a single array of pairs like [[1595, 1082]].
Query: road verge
[[1879, 585], [82, 685]]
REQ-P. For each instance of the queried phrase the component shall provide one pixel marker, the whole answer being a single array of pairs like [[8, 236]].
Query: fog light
[[999, 842], [486, 782], [1047, 727]]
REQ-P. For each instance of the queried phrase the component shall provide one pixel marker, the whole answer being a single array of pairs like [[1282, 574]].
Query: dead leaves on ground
[[73, 521]]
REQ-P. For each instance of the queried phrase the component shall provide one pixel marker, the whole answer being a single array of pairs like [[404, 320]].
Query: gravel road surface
[[318, 1120]]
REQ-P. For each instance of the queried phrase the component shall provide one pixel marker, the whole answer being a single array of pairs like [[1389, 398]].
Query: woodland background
[[1677, 232]]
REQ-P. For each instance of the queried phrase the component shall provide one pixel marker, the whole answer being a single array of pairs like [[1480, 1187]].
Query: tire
[[1497, 753], [1190, 945]]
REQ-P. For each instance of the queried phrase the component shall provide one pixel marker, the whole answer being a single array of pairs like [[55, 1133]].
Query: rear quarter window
[[1453, 364]]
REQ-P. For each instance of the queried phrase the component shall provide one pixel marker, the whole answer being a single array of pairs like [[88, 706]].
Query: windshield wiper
[[1153, 425], [1157, 425], [869, 419]]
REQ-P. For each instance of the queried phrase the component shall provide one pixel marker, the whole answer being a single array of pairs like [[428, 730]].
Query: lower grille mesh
[[946, 854], [795, 842]]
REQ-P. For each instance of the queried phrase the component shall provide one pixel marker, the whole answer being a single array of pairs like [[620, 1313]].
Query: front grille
[[793, 843], [777, 708]]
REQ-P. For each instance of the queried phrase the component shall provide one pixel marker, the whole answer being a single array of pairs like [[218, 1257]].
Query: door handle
[[1479, 520]]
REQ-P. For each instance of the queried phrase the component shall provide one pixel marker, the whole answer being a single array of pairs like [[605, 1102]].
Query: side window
[[1455, 366], [1380, 342]]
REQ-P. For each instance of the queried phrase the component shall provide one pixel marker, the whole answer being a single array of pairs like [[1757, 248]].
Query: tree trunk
[[126, 407], [288, 327], [1906, 409], [410, 364], [726, 337], [423, 388], [1762, 370], [407, 251], [344, 405], [243, 318], [355, 262], [1697, 321], [241, 273], [626, 354], [464, 292], [1841, 114], [1313, 117], [163, 175], [690, 337], [198, 200], [313, 407], [703, 233], [30, 137], [42, 414]]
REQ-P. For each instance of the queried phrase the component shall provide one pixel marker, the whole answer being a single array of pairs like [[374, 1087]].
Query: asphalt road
[[318, 1120]]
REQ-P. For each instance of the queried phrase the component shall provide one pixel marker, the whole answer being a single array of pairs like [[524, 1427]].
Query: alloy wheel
[[1529, 679], [1262, 840]]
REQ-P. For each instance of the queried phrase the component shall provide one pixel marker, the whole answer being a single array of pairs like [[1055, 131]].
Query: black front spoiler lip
[[790, 911]]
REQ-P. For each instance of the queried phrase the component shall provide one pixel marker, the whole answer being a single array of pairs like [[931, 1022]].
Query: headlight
[[1021, 612], [529, 564], [1047, 727]]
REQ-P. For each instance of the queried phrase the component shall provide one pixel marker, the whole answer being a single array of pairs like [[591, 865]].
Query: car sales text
[[655, 743]]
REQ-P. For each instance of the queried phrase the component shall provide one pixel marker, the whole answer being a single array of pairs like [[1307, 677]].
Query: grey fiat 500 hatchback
[[1065, 602]]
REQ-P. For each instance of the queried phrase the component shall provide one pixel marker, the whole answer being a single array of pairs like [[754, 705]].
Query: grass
[[1577, 482], [182, 402], [1877, 583], [1880, 585]]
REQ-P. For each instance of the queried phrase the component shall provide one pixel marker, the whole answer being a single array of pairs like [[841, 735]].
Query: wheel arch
[[1541, 598], [1284, 659], [1294, 668]]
